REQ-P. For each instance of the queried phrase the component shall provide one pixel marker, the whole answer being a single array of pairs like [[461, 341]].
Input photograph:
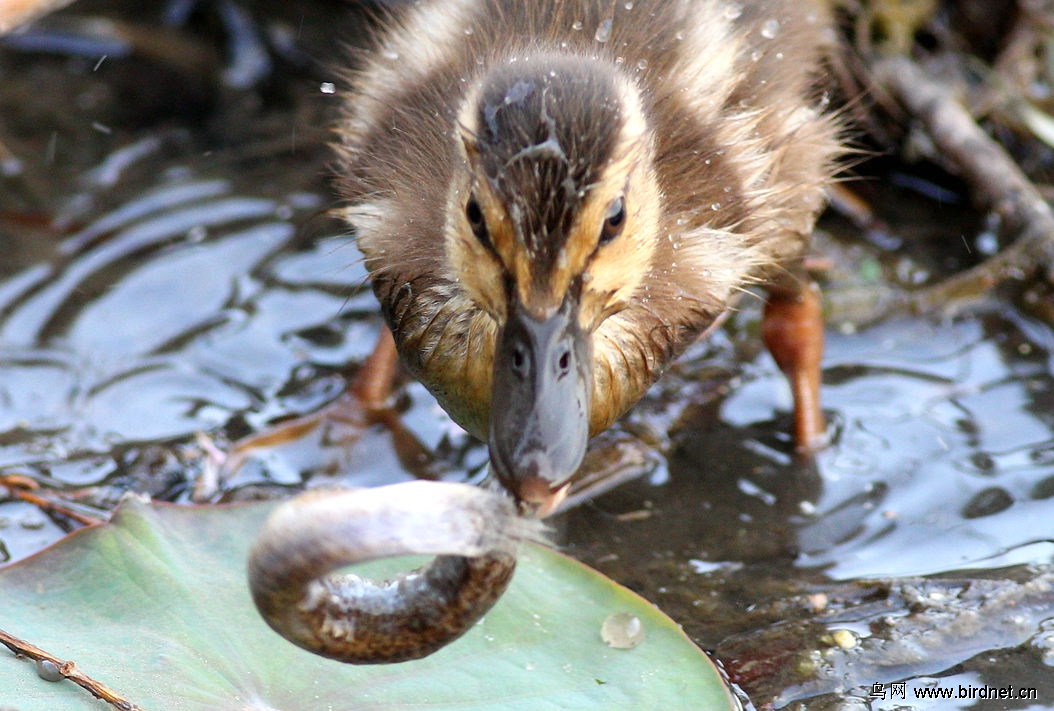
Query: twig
[[68, 669], [995, 178], [22, 488]]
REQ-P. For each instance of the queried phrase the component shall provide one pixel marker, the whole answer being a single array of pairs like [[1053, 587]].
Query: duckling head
[[552, 224]]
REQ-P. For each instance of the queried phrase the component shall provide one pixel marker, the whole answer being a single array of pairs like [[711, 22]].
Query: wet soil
[[170, 281]]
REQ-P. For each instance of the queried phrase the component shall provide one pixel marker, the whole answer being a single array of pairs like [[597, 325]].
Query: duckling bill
[[555, 198]]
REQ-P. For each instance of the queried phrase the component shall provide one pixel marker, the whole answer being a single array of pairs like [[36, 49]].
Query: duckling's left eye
[[614, 221]]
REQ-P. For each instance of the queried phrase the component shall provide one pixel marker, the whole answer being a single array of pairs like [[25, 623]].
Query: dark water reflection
[[942, 457], [951, 427], [941, 466], [166, 316], [162, 288]]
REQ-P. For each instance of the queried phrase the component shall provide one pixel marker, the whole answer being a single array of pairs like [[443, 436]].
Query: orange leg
[[792, 327], [364, 404], [373, 383]]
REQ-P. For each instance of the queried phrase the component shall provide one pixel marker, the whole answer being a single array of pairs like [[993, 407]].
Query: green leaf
[[155, 606]]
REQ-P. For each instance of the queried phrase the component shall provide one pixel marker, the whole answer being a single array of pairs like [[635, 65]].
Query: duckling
[[555, 198]]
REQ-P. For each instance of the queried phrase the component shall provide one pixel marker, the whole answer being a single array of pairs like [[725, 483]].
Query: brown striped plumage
[[703, 116]]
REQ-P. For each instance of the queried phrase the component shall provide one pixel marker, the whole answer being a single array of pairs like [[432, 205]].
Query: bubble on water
[[622, 630], [327, 87], [197, 233], [32, 522], [770, 28], [577, 25], [733, 11]]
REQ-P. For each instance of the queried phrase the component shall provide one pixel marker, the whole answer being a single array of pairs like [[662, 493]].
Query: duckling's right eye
[[474, 215], [614, 221]]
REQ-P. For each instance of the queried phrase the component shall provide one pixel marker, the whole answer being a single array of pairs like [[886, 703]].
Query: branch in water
[[998, 184], [474, 533]]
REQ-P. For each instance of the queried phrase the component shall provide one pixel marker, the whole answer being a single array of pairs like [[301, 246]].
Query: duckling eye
[[474, 215], [614, 221]]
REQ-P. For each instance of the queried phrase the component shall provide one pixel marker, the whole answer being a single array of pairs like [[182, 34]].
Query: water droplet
[[603, 33], [755, 55], [469, 31], [642, 65], [576, 25], [679, 36], [10, 167], [628, 5], [327, 87], [733, 11], [530, 666], [619, 61], [770, 28], [715, 206], [48, 670], [622, 630], [987, 243]]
